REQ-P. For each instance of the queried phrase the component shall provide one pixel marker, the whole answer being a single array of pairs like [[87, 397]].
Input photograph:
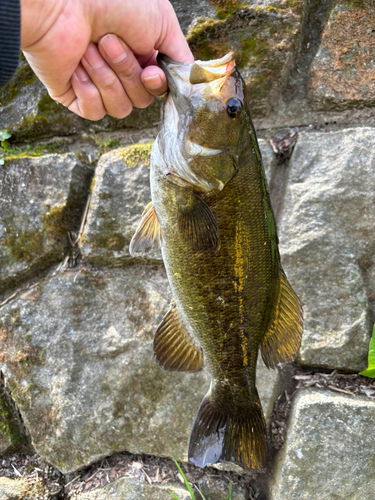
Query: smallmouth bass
[[212, 217]]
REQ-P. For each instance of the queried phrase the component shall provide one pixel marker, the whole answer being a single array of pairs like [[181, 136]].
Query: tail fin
[[229, 433]]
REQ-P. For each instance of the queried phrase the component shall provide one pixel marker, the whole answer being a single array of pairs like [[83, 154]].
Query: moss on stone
[[136, 155], [24, 246], [55, 223], [24, 76]]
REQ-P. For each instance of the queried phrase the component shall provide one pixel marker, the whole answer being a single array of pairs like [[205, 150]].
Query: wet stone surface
[[327, 242], [327, 432]]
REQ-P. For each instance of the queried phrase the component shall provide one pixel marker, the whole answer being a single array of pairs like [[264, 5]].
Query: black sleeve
[[10, 38]]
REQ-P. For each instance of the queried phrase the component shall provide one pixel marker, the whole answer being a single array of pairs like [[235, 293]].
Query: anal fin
[[283, 338], [147, 236], [198, 224], [174, 349]]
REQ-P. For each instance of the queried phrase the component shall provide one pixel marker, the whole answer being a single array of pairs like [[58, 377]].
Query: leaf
[[174, 496], [4, 135], [1, 161], [185, 480], [4, 145], [370, 372], [230, 491]]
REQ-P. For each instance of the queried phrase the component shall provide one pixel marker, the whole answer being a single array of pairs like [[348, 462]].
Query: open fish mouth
[[197, 72]]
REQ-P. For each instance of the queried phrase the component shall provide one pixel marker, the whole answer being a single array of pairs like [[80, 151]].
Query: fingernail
[[81, 74], [113, 48], [153, 82]]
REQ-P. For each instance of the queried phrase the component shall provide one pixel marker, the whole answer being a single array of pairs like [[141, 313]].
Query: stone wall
[[77, 314]]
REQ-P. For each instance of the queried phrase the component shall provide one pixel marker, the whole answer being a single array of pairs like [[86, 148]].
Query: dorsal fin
[[147, 236], [283, 338], [174, 349]]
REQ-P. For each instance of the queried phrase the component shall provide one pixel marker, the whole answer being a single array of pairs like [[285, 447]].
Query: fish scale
[[212, 217]]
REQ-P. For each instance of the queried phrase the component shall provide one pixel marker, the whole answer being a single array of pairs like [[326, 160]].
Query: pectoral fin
[[282, 341], [147, 237], [174, 349], [197, 222]]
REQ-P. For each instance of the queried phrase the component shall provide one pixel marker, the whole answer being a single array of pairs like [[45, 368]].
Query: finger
[[153, 78], [113, 94], [172, 42], [124, 63], [88, 102]]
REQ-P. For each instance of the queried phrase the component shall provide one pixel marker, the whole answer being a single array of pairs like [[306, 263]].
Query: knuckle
[[109, 83]]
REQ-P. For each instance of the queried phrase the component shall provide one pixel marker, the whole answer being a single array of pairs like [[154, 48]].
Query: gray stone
[[342, 74], [327, 234], [20, 489], [41, 199], [11, 489], [6, 421], [78, 360], [121, 191], [129, 489], [189, 10], [267, 158], [329, 452]]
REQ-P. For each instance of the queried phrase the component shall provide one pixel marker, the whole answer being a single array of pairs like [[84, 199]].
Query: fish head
[[203, 121]]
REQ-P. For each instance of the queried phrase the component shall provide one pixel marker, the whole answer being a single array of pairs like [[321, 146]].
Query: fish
[[211, 216]]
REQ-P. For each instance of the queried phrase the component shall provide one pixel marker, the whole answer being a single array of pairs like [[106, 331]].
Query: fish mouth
[[181, 77], [198, 71]]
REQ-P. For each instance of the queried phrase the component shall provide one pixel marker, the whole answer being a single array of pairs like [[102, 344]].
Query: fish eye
[[233, 107]]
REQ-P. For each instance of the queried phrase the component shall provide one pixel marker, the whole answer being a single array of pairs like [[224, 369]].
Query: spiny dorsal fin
[[197, 222], [174, 349], [147, 237], [282, 341]]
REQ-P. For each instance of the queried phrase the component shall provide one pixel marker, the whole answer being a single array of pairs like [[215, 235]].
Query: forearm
[[10, 29]]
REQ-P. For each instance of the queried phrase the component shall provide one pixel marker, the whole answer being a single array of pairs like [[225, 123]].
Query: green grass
[[370, 372], [229, 497], [4, 144]]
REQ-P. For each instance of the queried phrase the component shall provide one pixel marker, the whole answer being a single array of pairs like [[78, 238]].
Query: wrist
[[37, 17]]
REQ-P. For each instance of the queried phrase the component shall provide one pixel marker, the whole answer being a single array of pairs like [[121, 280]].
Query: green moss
[[136, 155], [24, 246], [47, 106], [55, 224], [111, 241], [25, 76]]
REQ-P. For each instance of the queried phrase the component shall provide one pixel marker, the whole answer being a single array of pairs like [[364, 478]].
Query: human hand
[[98, 57]]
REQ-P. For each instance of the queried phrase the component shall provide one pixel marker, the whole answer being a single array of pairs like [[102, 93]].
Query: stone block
[[329, 451], [79, 363], [342, 74], [327, 235], [41, 199]]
